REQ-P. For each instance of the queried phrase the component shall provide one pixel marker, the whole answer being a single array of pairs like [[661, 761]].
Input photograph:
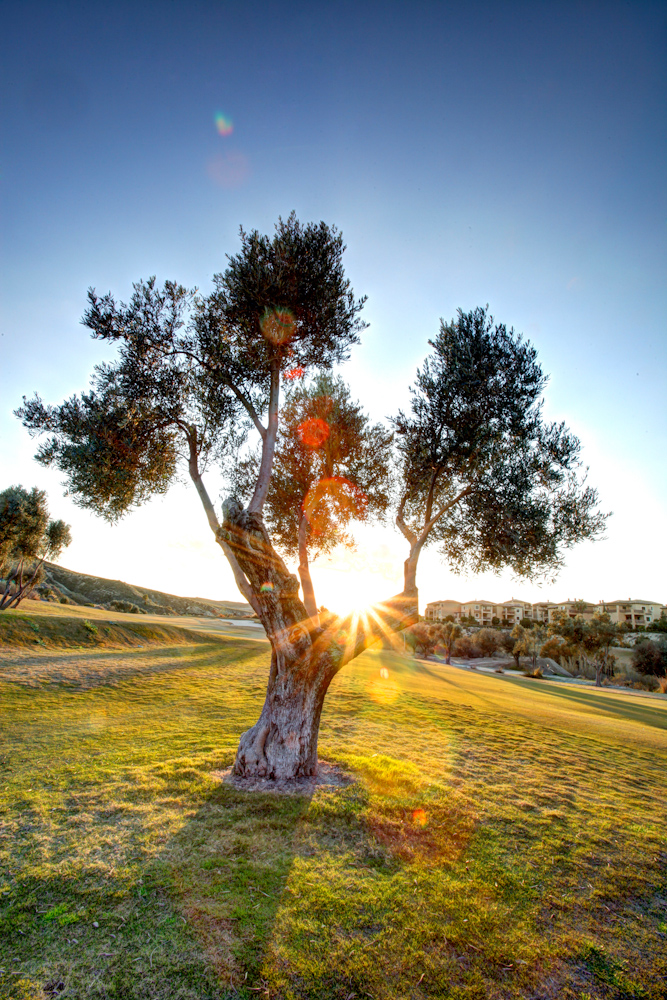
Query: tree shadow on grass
[[621, 706]]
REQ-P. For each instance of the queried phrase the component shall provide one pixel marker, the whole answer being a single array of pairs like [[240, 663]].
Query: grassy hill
[[501, 838], [65, 585]]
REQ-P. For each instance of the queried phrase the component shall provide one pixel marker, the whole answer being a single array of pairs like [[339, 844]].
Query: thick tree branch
[[304, 572], [431, 491], [256, 505], [406, 531], [443, 510], [214, 524], [242, 398]]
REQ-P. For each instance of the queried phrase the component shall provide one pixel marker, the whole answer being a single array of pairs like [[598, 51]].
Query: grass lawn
[[504, 837]]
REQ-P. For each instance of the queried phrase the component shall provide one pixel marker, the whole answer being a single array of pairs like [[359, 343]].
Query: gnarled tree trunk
[[282, 744]]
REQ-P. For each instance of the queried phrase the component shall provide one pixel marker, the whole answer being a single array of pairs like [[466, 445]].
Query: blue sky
[[509, 153]]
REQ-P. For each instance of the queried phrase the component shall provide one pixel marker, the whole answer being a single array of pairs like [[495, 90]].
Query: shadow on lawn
[[230, 865], [622, 706]]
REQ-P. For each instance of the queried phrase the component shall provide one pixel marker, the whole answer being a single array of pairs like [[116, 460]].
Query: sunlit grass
[[504, 837]]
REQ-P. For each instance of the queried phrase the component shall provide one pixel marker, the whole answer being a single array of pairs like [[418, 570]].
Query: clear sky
[[503, 153]]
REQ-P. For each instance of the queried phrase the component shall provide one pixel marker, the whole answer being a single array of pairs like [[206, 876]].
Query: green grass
[[504, 837]]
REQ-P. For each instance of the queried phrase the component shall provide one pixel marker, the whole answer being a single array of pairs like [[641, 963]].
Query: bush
[[127, 606], [466, 647], [650, 657], [488, 641]]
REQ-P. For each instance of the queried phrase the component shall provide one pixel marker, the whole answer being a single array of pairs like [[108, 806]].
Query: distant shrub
[[89, 627], [537, 672], [127, 606], [466, 647], [650, 657], [488, 641]]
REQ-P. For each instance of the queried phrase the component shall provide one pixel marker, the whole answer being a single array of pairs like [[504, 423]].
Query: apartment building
[[511, 612], [632, 612], [482, 611], [543, 611], [438, 610], [574, 608]]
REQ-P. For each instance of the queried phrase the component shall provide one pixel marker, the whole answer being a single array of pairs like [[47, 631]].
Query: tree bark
[[282, 745]]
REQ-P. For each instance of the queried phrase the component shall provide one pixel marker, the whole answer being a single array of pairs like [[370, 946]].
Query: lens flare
[[313, 432], [294, 373], [384, 673], [228, 170], [419, 817], [266, 588], [223, 123], [277, 325]]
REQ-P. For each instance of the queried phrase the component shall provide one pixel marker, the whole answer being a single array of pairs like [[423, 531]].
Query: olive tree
[[484, 477], [194, 375], [27, 537]]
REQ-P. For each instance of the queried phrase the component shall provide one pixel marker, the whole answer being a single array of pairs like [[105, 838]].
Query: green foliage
[[528, 641], [27, 537], [484, 476], [193, 370], [488, 641], [590, 639], [660, 624], [649, 657]]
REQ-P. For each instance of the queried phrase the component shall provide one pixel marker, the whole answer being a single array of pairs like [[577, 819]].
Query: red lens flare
[[419, 817], [313, 432], [277, 325]]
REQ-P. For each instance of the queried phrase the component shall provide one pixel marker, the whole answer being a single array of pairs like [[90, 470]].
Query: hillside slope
[[69, 587]]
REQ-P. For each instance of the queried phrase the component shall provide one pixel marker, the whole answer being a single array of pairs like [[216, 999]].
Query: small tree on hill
[[507, 644], [483, 476], [27, 537]]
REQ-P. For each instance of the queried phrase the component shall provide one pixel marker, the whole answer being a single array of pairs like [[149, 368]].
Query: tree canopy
[[483, 475]]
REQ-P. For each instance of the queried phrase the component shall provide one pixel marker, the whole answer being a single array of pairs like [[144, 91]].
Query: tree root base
[[327, 774]]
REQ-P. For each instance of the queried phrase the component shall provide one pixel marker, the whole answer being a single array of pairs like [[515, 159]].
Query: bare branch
[[268, 445]]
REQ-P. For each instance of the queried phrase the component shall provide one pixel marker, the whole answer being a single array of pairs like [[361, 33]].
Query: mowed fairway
[[504, 837]]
